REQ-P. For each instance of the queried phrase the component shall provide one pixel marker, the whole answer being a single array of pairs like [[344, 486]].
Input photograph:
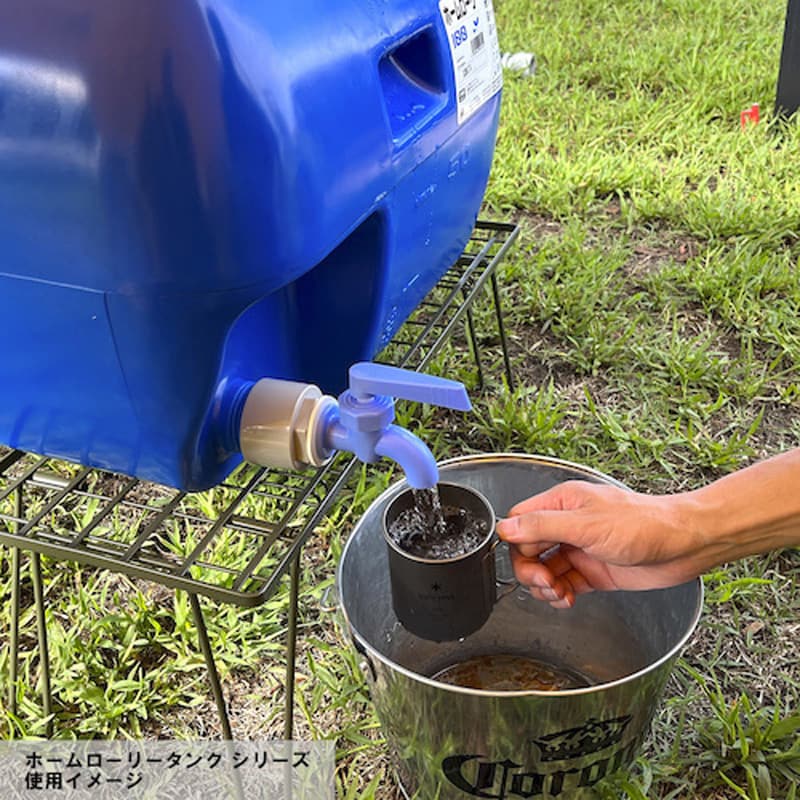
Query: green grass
[[653, 312]]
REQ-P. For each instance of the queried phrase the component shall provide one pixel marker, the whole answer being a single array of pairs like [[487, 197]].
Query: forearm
[[751, 511]]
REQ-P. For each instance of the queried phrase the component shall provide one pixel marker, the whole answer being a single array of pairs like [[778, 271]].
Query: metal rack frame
[[233, 543]]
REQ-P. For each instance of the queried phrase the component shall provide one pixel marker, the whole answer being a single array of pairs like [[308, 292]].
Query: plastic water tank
[[196, 194]]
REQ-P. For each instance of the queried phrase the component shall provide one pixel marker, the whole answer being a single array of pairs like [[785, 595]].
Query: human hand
[[579, 537]]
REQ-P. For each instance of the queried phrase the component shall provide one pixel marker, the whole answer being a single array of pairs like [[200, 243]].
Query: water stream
[[427, 529]]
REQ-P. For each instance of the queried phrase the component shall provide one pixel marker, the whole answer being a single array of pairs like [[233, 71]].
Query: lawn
[[653, 309]]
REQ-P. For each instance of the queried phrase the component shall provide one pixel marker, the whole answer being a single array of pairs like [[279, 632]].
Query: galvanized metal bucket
[[451, 742]]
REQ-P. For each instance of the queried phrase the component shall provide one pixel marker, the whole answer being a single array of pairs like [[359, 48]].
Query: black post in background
[[787, 99]]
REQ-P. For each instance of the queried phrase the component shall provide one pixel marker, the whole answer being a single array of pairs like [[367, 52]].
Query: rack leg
[[473, 340], [44, 652], [211, 666], [502, 330], [14, 644], [291, 645], [15, 609]]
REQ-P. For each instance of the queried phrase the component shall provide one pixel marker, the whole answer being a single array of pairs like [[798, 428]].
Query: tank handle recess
[[289, 424]]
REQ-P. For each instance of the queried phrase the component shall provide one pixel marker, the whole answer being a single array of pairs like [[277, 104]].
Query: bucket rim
[[367, 649]]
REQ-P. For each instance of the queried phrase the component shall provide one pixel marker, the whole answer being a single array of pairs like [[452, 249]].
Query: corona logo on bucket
[[502, 779], [583, 740]]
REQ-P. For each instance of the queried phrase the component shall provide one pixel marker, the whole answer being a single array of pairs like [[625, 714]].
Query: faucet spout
[[361, 421], [412, 454]]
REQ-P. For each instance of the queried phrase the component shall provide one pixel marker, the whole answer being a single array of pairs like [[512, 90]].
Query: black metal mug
[[449, 598]]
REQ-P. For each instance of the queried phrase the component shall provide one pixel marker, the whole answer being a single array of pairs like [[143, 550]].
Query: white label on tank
[[475, 52]]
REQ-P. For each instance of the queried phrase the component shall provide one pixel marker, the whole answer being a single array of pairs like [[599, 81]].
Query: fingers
[[548, 596], [563, 497], [537, 549], [541, 529], [545, 517], [557, 571], [562, 540], [554, 580], [575, 512], [533, 572]]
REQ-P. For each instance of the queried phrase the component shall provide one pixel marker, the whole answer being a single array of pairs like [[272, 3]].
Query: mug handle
[[511, 582]]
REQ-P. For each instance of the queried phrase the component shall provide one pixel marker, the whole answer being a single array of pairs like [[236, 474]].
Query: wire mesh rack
[[232, 543]]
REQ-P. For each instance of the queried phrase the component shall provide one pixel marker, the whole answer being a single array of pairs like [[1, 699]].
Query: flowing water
[[510, 673], [428, 529], [428, 512]]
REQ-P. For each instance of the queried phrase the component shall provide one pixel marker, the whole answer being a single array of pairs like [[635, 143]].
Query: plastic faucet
[[362, 421], [294, 425]]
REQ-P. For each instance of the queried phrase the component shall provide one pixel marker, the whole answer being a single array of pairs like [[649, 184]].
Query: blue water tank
[[195, 194]]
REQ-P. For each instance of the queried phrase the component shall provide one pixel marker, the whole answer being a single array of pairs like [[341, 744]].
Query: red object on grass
[[749, 115]]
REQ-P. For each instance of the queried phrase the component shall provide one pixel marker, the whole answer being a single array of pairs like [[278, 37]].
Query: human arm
[[610, 538]]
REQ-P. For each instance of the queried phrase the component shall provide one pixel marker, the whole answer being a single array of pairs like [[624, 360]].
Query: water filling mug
[[449, 598]]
